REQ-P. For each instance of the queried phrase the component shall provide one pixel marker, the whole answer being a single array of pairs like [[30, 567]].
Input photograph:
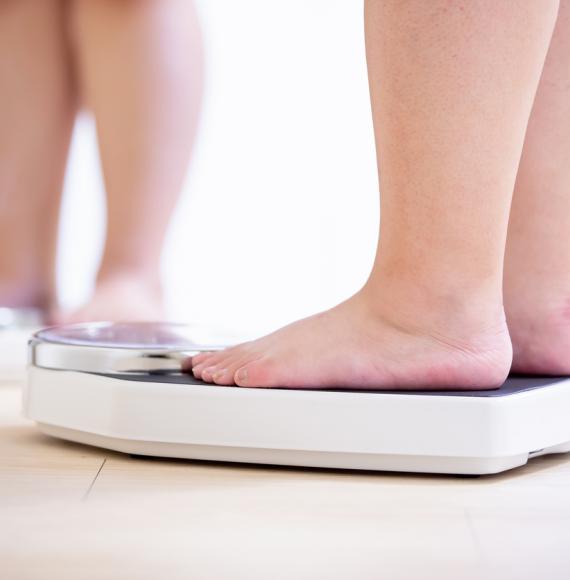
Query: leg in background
[[537, 266], [140, 69], [452, 86], [37, 110]]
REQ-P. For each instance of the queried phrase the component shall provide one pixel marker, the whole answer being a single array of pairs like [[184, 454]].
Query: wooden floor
[[74, 512]]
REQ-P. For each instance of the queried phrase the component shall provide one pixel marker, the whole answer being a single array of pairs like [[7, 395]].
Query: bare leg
[[37, 107], [452, 86], [537, 267], [140, 67]]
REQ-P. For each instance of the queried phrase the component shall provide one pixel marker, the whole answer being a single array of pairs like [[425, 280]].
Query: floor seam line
[[86, 494]]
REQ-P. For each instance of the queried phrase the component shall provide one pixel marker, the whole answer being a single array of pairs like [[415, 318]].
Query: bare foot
[[355, 346], [118, 299], [540, 332]]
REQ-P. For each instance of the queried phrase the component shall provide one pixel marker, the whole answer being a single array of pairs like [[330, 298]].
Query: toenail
[[241, 375], [219, 374]]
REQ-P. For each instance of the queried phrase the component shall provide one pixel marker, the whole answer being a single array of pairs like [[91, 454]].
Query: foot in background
[[140, 71], [118, 299]]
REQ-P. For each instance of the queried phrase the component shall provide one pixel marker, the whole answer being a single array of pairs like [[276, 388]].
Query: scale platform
[[119, 386]]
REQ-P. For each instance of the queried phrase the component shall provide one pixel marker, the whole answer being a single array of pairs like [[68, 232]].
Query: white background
[[279, 214]]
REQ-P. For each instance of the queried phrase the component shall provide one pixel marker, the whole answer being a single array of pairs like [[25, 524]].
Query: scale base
[[331, 460], [463, 433]]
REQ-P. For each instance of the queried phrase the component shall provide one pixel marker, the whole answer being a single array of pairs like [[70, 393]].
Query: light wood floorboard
[[73, 512]]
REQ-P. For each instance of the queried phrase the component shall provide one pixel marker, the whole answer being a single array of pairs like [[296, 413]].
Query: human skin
[[137, 65], [452, 87], [37, 108], [537, 265], [140, 71]]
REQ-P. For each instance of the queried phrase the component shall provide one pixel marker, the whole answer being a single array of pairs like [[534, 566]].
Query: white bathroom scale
[[119, 386]]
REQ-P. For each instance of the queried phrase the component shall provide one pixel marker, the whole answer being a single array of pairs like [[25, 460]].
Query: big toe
[[263, 372]]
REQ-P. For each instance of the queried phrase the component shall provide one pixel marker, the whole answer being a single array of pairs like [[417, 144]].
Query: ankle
[[541, 337], [143, 279], [462, 310], [538, 319]]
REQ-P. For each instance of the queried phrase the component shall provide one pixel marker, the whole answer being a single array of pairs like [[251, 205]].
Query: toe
[[214, 357], [190, 363], [207, 374], [197, 370], [223, 372], [201, 357], [198, 358], [196, 364], [217, 366], [222, 377], [206, 370], [193, 363], [257, 373]]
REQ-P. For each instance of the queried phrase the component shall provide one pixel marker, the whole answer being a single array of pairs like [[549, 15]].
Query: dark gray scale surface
[[514, 384]]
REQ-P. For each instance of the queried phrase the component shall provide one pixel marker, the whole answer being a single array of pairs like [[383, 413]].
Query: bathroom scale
[[16, 325], [120, 387]]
